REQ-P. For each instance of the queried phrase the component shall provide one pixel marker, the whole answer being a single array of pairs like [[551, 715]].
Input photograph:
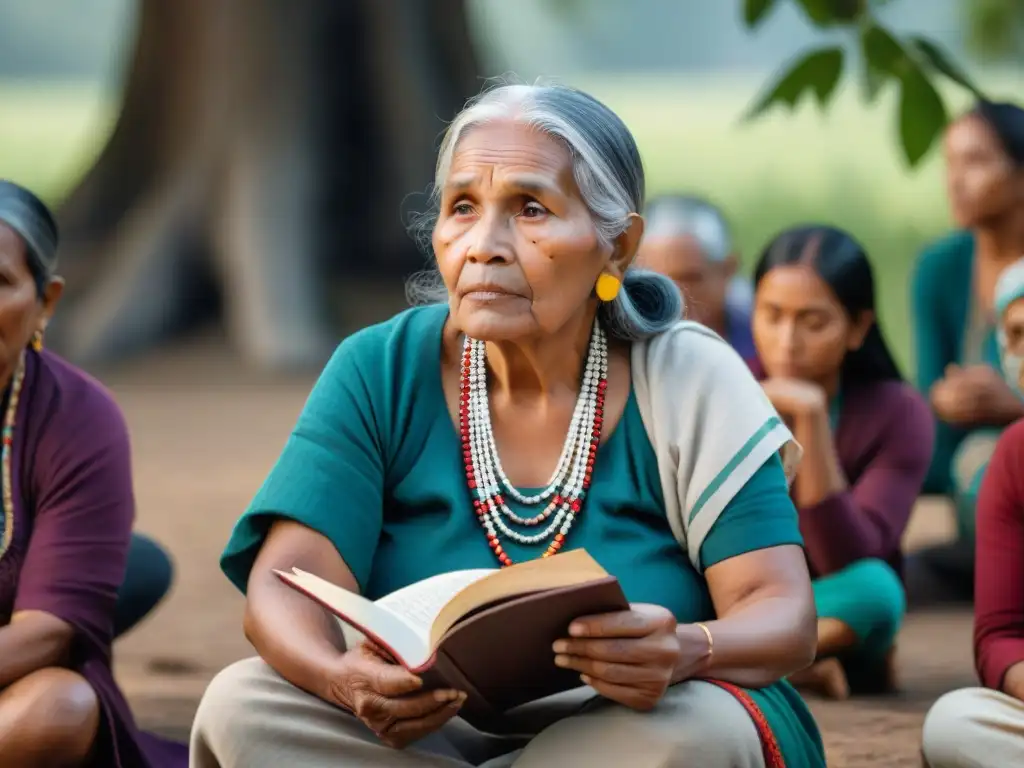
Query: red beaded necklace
[[564, 495]]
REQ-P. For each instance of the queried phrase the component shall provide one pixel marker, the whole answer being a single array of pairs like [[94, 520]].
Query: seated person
[[65, 531], [955, 332], [416, 449], [688, 240], [984, 727], [867, 439]]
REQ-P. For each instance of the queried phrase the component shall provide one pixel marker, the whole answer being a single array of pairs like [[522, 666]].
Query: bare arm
[[33, 640], [869, 518], [766, 628], [78, 547], [820, 475], [294, 635]]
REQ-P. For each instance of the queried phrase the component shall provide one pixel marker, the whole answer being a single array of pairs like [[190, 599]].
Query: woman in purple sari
[[65, 528]]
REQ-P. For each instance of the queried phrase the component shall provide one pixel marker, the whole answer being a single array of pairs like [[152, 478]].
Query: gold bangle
[[711, 640]]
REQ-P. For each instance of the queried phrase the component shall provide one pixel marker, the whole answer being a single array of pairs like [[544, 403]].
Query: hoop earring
[[37, 341], [607, 287]]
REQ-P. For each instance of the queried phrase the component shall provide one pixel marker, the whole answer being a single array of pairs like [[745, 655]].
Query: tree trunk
[[258, 170]]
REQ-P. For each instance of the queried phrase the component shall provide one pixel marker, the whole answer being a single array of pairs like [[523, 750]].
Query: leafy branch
[[912, 63], [995, 28]]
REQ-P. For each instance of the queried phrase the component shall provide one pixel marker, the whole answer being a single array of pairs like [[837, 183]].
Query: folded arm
[[32, 641], [757, 576], [78, 550], [867, 520], [321, 510], [294, 635], [766, 626]]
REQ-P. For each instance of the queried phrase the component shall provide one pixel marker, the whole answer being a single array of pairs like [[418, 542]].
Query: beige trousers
[[974, 728], [250, 717]]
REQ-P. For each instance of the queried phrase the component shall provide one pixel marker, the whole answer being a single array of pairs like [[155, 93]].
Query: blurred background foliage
[[61, 69]]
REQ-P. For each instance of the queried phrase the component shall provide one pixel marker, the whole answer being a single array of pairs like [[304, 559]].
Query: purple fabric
[[74, 508], [884, 443]]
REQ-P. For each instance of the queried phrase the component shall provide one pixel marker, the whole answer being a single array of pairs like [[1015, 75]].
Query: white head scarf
[[1009, 288]]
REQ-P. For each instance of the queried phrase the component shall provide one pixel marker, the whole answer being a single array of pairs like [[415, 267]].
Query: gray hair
[[609, 173], [689, 216]]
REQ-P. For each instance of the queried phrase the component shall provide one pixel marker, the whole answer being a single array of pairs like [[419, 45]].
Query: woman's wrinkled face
[[21, 311], [1013, 333], [981, 180], [800, 329], [514, 241]]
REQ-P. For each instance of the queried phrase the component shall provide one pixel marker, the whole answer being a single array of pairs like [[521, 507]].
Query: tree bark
[[261, 161]]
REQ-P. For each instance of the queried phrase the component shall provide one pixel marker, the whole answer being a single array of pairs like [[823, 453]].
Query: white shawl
[[710, 423]]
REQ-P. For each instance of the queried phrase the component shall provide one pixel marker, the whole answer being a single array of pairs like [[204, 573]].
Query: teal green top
[[942, 305], [375, 465]]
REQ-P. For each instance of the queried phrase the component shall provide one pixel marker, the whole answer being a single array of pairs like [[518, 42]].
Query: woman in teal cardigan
[[957, 353]]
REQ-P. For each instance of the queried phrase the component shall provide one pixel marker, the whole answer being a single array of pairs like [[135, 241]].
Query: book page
[[420, 603], [562, 570], [398, 636]]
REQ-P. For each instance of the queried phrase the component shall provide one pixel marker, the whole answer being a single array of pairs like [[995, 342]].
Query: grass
[[842, 168]]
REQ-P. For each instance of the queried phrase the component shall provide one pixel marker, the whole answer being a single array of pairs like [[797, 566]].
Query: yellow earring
[[37, 341], [607, 287]]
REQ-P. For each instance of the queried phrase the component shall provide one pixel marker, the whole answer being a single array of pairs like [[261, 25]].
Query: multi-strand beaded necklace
[[7, 531], [563, 497]]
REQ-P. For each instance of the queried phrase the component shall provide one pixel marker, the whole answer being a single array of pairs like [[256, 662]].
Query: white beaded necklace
[[572, 476]]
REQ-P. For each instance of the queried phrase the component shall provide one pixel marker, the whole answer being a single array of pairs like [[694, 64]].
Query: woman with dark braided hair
[[65, 529]]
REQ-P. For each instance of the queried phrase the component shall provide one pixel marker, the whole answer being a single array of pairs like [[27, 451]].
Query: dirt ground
[[206, 432]]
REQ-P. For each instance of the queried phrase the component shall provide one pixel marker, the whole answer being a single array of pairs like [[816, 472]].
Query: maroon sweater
[[999, 567], [884, 442]]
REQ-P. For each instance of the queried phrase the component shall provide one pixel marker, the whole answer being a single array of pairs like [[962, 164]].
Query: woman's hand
[[796, 398], [389, 699], [629, 656], [1013, 681], [977, 394]]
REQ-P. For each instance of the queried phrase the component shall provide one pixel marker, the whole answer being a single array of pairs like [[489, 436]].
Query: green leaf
[[993, 29], [873, 80], [755, 11], [884, 58], [883, 52], [826, 13], [941, 61], [817, 72], [819, 11], [922, 115]]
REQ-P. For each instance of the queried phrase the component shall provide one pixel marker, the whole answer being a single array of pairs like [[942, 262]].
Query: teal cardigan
[[941, 303]]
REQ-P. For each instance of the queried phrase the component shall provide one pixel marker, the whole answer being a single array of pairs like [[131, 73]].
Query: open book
[[487, 632]]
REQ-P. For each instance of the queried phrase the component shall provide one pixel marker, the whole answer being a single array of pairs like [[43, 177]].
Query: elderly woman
[[984, 727], [671, 477], [65, 530], [955, 330], [867, 437], [688, 240]]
